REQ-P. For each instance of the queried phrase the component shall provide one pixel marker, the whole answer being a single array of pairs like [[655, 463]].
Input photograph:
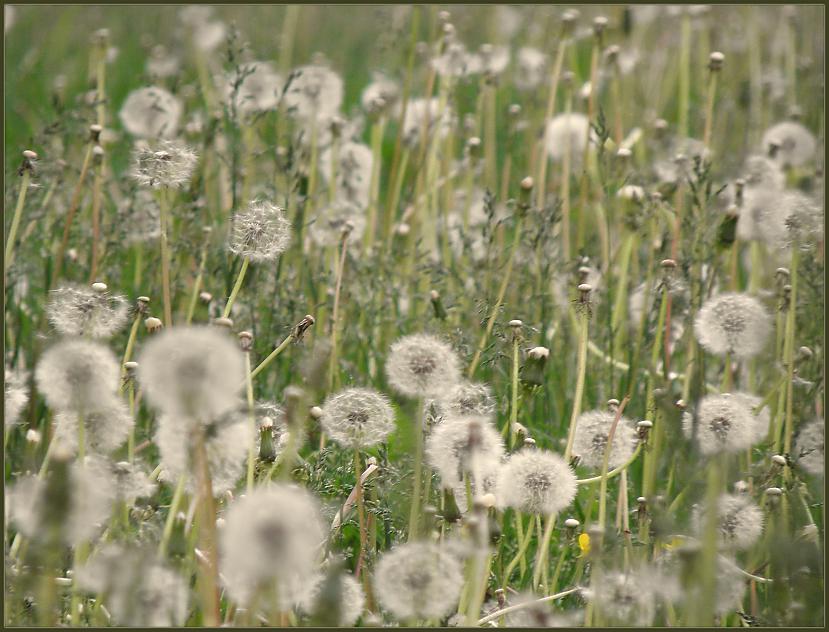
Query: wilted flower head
[[354, 165], [537, 482], [422, 114], [137, 589], [254, 87], [740, 521], [333, 219], [151, 113], [16, 396], [106, 428], [269, 540], [421, 365], [464, 447], [357, 417], [315, 92], [789, 144], [733, 323], [725, 424], [466, 398], [592, 432], [86, 311], [194, 372], [261, 232], [77, 375], [418, 580], [345, 588], [567, 132], [228, 438], [809, 451], [169, 165]]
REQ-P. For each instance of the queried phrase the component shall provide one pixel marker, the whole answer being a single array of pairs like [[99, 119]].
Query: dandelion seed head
[[761, 171], [491, 60], [456, 62], [381, 87], [466, 399], [592, 432], [537, 482], [789, 144], [151, 113], [131, 482], [168, 165], [567, 132], [357, 417], [261, 232], [77, 375], [353, 169], [531, 71], [258, 90], [733, 323], [207, 34], [162, 64], [351, 598], [192, 372], [315, 93], [84, 311], [418, 580], [740, 521], [795, 221], [139, 218], [270, 535], [464, 446], [105, 429], [333, 219], [762, 420], [16, 396], [422, 115], [809, 452], [422, 365], [725, 424], [536, 615]]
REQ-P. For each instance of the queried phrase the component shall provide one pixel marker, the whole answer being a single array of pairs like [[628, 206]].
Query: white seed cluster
[[421, 365], [261, 232], [151, 113], [591, 438], [536, 482], [357, 417], [725, 423], [82, 311], [733, 323]]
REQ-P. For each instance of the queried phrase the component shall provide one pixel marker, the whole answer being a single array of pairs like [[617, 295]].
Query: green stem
[[414, 515], [18, 214], [178, 494], [165, 258], [236, 287], [524, 544], [252, 415]]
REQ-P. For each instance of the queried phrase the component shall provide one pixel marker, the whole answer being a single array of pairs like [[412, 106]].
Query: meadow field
[[414, 315]]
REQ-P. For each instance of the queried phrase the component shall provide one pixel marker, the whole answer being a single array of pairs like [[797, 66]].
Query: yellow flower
[[584, 543]]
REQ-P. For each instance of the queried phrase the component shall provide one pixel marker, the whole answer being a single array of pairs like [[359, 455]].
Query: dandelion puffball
[[733, 323], [261, 232], [789, 144], [592, 432], [84, 311], [194, 372], [169, 165], [77, 375], [739, 521], [463, 446], [105, 429], [537, 482], [151, 113], [809, 451], [567, 133], [726, 423], [357, 417], [421, 365]]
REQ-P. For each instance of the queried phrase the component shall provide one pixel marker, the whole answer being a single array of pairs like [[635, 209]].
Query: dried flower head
[[253, 87], [725, 423], [421, 365], [269, 541], [139, 591], [16, 396], [789, 144], [151, 113], [418, 580], [733, 323], [77, 375], [357, 417], [809, 451], [335, 218], [592, 432], [85, 311], [537, 482], [464, 447], [106, 428], [740, 521], [192, 372], [261, 232], [168, 165], [347, 591], [315, 93]]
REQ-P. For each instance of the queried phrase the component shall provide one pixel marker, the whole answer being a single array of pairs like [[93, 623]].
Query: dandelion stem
[[605, 461], [165, 258], [580, 376], [414, 515], [97, 184], [194, 297], [524, 544], [528, 604], [361, 513], [252, 416], [332, 366], [178, 494], [377, 129], [70, 214], [548, 114], [208, 567], [272, 356], [18, 213], [513, 417], [614, 472]]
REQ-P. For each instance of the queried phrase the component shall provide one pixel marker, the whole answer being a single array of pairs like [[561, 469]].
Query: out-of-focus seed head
[[16, 396], [92, 312], [466, 399], [789, 144], [590, 440], [77, 375], [725, 424], [151, 113], [809, 452], [740, 521], [462, 447], [314, 93], [335, 218], [253, 87], [106, 428], [168, 165]]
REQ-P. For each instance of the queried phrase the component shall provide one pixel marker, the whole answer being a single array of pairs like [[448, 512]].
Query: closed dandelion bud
[[809, 451], [725, 423], [774, 492], [205, 297], [532, 371], [261, 232], [715, 61], [169, 165], [245, 341], [572, 523], [194, 372], [77, 375], [141, 304], [465, 448], [739, 521], [92, 312], [153, 324], [732, 323], [357, 417], [151, 113], [97, 155], [536, 482], [418, 580], [644, 428], [592, 432], [779, 460], [315, 412], [437, 305], [421, 365]]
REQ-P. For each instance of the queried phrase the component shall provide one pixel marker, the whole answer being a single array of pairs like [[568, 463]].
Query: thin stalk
[[131, 439], [97, 196], [18, 213], [272, 356], [684, 75], [361, 512], [605, 461], [581, 372], [528, 604], [377, 130], [287, 40], [178, 495], [208, 569], [513, 417], [519, 557], [414, 515], [791, 322], [236, 286], [70, 214], [709, 107], [164, 220], [194, 297], [252, 416], [332, 366], [490, 160], [548, 114]]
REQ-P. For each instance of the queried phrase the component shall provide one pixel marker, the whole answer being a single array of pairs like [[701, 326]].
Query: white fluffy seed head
[[762, 420], [349, 596], [809, 452], [423, 113], [261, 232], [192, 372], [789, 144], [418, 580], [270, 539], [77, 375], [82, 311], [466, 399], [740, 521], [567, 133], [315, 93], [131, 482], [421, 365], [592, 432], [733, 323], [353, 178], [16, 396], [725, 424], [536, 482], [796, 220], [170, 164], [151, 113], [357, 417], [465, 447], [258, 90], [333, 219], [106, 428]]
